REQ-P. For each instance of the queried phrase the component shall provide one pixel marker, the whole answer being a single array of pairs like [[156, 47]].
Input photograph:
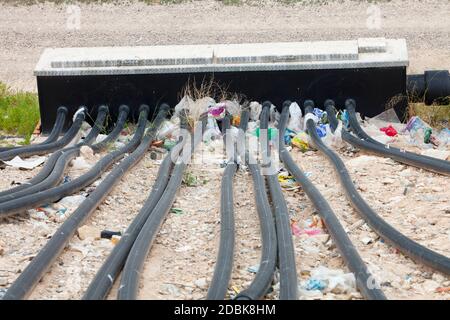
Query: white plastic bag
[[255, 110], [295, 120]]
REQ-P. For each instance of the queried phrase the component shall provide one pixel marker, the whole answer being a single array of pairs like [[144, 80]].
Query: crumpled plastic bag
[[30, 163], [301, 141], [274, 116], [295, 120], [255, 110], [334, 280], [334, 140], [212, 130]]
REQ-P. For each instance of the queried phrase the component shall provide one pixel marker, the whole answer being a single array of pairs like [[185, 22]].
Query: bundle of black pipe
[[28, 279], [41, 149], [367, 143], [406, 245], [61, 115], [50, 164], [365, 282], [65, 157]]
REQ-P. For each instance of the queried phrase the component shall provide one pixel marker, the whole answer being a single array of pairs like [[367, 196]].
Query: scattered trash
[[255, 110], [115, 239], [158, 143], [167, 129], [321, 130], [309, 294], [315, 284], [169, 144], [201, 283], [66, 179], [107, 234], [253, 269], [332, 280], [29, 164], [443, 289], [366, 240], [297, 231], [389, 131], [288, 182], [274, 116], [295, 120], [100, 138], [218, 111], [72, 201], [177, 211], [88, 232], [212, 131], [301, 141]]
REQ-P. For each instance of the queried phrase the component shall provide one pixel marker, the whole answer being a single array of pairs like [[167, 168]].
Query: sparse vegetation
[[436, 116], [19, 112]]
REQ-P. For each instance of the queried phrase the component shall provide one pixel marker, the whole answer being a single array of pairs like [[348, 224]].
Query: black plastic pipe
[[366, 143], [61, 114], [261, 283], [364, 280], [433, 86], [49, 147], [286, 252], [51, 161], [58, 170], [129, 282], [224, 264], [105, 277], [406, 245], [50, 195], [32, 274]]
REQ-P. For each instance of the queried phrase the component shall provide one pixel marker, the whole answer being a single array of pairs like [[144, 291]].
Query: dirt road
[[26, 30]]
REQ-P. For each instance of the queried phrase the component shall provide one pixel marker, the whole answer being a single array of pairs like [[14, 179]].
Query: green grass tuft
[[19, 112]]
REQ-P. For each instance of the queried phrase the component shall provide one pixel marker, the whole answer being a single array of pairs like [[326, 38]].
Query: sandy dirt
[[26, 30]]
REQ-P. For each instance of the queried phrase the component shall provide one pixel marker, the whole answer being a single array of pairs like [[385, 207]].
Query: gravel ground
[[181, 262], [26, 30]]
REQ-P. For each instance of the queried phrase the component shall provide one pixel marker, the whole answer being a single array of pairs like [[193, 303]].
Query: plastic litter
[[72, 201], [107, 234], [217, 111], [321, 129], [115, 239], [253, 269], [177, 211], [315, 284], [295, 120], [334, 280], [169, 144], [29, 164], [100, 138], [274, 116], [389, 131], [255, 110], [300, 140], [212, 131]]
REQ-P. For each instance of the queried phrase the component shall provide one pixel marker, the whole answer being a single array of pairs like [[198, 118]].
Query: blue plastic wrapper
[[288, 134], [314, 284], [321, 130], [344, 119]]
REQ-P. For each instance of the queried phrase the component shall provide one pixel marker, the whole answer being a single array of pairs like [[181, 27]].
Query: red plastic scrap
[[389, 130]]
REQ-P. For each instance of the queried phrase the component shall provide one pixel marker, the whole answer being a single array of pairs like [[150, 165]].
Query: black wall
[[372, 88]]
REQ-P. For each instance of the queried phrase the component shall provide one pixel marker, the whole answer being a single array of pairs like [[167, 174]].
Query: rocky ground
[[181, 262]]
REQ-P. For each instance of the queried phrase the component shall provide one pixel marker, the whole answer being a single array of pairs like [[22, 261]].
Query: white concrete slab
[[361, 53]]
